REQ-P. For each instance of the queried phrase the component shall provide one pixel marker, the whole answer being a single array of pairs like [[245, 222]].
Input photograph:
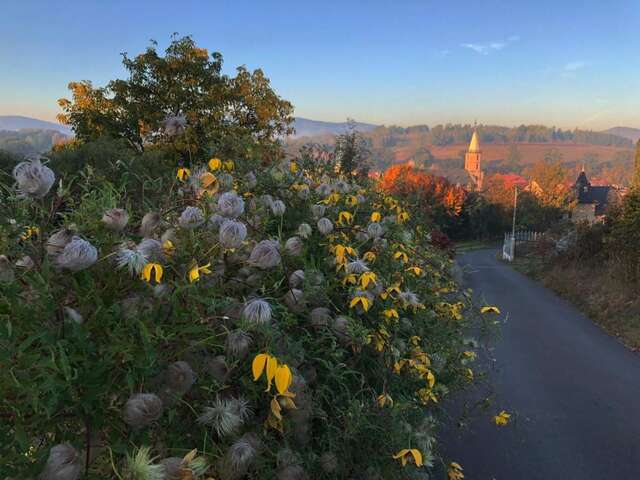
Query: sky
[[568, 63]]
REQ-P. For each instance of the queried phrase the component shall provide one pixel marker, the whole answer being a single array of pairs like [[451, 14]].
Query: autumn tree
[[550, 176], [185, 86], [636, 168]]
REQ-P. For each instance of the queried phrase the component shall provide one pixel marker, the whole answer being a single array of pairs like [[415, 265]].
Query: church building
[[473, 163]]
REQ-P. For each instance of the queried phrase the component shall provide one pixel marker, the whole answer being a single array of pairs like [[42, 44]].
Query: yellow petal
[[194, 274], [401, 453], [283, 378], [158, 271], [417, 457], [272, 366], [259, 362], [146, 272]]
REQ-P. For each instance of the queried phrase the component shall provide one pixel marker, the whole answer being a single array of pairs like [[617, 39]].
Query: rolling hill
[[16, 122], [310, 128], [632, 134]]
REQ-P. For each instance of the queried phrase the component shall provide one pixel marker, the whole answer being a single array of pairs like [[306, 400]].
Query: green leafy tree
[[352, 152], [186, 84]]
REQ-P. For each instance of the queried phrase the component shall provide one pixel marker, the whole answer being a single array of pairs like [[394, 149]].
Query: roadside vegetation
[[178, 300]]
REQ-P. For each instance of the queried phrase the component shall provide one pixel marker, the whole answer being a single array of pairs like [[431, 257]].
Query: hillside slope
[[17, 122]]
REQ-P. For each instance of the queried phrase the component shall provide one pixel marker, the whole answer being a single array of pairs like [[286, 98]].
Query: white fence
[[511, 239]]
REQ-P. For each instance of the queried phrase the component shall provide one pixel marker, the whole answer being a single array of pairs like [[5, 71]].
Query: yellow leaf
[[190, 456], [276, 409]]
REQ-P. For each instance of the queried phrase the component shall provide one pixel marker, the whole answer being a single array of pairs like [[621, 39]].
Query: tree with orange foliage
[[438, 198]]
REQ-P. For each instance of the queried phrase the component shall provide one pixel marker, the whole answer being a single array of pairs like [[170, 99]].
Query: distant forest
[[29, 142]]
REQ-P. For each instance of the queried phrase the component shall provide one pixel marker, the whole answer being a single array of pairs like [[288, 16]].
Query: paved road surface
[[574, 390]]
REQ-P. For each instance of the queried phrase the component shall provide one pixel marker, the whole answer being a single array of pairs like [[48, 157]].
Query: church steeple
[[473, 161], [474, 145]]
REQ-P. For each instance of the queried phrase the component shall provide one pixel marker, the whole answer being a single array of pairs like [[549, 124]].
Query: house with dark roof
[[591, 200]]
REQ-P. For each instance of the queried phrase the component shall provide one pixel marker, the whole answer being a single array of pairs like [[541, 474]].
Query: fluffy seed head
[[251, 180], [328, 462], [278, 207], [64, 463], [357, 267], [296, 279], [215, 222], [58, 240], [230, 205], [294, 300], [33, 179], [304, 230], [325, 227], [174, 124], [26, 262], [375, 230], [318, 210], [142, 409], [150, 222], [180, 377], [191, 217], [265, 255], [320, 317], [232, 233], [238, 343], [292, 472], [294, 246], [115, 219], [151, 249], [77, 255], [257, 311], [226, 416]]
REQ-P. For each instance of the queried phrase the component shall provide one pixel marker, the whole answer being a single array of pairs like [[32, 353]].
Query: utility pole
[[515, 206]]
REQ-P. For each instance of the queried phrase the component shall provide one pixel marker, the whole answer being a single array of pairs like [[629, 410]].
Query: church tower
[[473, 162]]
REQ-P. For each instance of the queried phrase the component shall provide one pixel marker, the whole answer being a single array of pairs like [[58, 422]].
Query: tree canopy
[[185, 86]]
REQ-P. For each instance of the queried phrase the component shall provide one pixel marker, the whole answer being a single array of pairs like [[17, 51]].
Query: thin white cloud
[[573, 66], [489, 47], [570, 69]]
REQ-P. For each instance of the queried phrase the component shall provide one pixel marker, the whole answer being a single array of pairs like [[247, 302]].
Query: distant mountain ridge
[[17, 122], [632, 134], [310, 128]]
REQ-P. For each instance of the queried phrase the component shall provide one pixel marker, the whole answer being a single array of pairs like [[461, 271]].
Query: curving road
[[573, 390]]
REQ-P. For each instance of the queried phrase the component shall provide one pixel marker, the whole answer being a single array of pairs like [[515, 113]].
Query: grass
[[470, 245], [598, 291]]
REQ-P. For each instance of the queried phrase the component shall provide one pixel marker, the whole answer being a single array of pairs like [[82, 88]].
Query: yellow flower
[[417, 271], [194, 273], [366, 278], [351, 200], [454, 471], [29, 232], [283, 378], [403, 257], [333, 198], [215, 164], [391, 313], [490, 309], [293, 167], [376, 217], [403, 217], [258, 365], [369, 256], [229, 165], [502, 418], [364, 301], [168, 247], [409, 453], [351, 279], [154, 268], [385, 399], [183, 173], [345, 217], [426, 394]]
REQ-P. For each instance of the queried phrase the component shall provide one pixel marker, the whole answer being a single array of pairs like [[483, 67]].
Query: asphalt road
[[573, 391]]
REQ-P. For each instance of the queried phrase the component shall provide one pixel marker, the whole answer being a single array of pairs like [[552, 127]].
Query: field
[[530, 152]]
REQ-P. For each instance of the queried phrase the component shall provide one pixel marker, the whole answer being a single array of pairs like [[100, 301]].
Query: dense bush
[[239, 318]]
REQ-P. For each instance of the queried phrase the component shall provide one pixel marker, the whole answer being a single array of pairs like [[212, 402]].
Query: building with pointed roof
[[473, 162], [592, 201]]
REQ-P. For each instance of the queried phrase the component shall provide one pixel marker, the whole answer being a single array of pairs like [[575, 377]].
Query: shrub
[[135, 346]]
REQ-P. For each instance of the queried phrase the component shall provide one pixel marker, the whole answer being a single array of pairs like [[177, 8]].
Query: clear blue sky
[[562, 62]]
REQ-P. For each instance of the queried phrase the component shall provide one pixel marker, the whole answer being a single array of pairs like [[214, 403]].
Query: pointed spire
[[474, 145]]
